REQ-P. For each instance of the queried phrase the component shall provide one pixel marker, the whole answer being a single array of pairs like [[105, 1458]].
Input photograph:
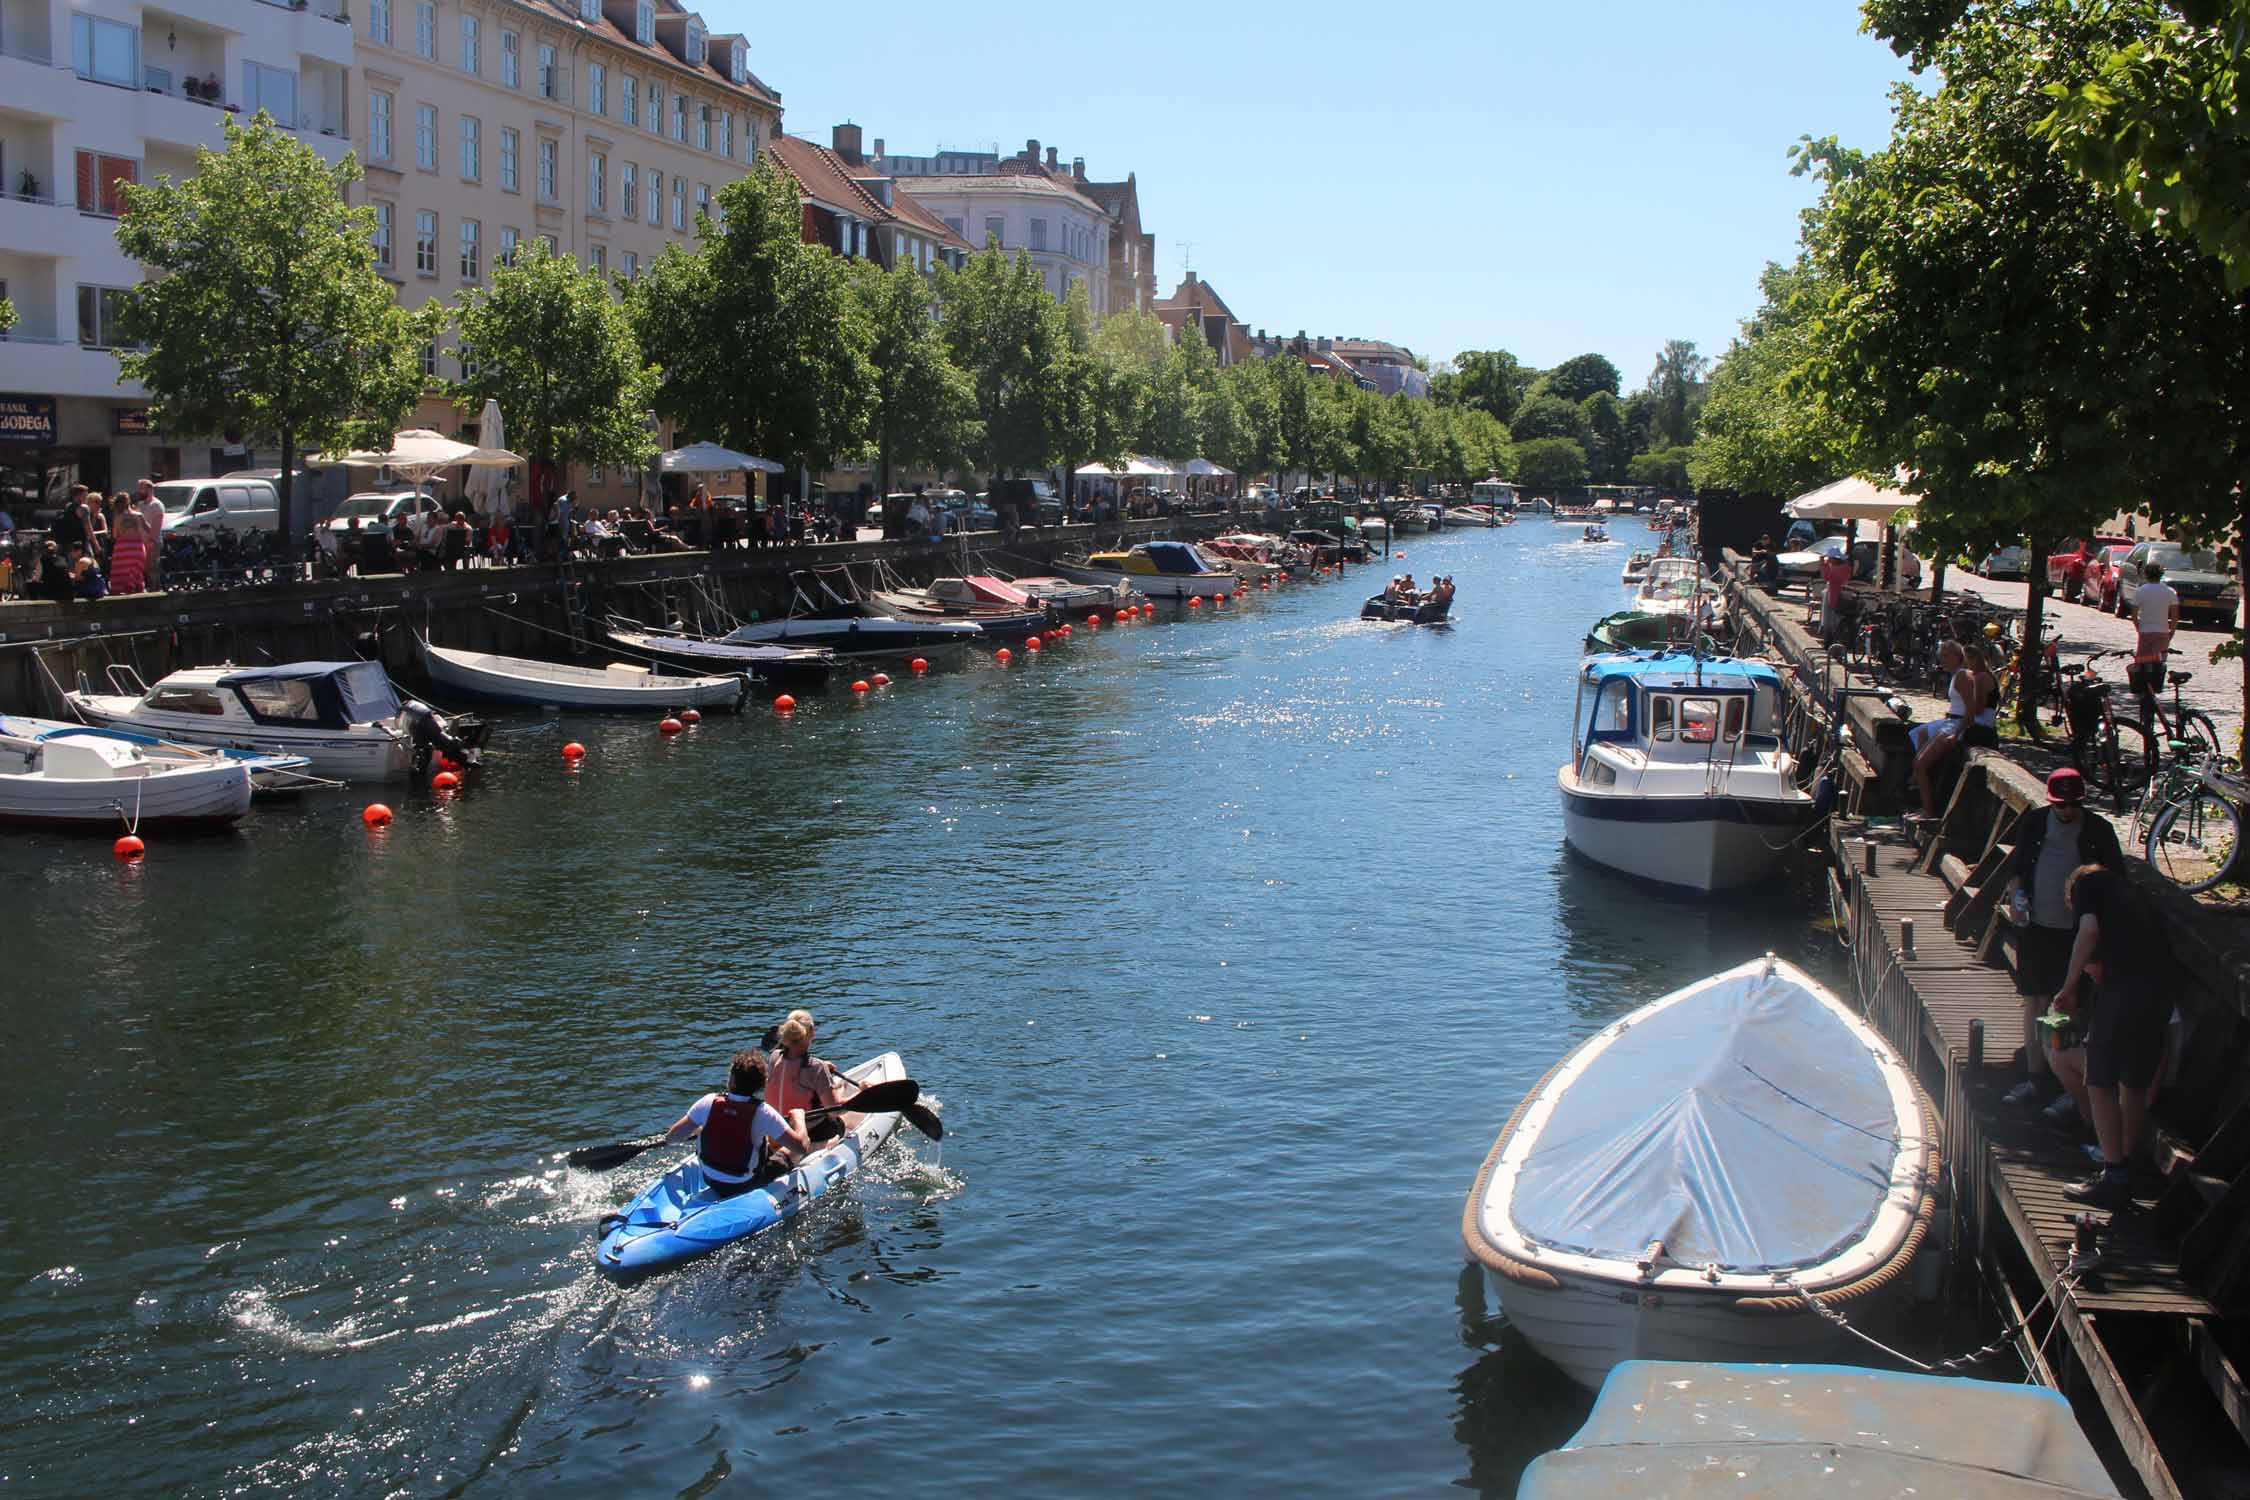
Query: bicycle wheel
[[2196, 727], [2133, 761], [2193, 842]]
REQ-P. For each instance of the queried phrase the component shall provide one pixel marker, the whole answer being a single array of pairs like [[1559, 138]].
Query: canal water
[[1228, 941]]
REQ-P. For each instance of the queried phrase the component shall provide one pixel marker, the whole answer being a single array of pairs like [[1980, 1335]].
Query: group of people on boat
[[757, 1127], [1402, 592]]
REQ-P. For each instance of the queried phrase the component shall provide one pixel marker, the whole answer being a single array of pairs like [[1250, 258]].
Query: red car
[[2070, 563], [2103, 584]]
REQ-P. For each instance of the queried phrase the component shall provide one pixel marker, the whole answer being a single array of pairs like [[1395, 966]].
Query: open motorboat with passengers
[[1677, 771], [1676, 587], [344, 717], [1687, 1181], [1161, 570]]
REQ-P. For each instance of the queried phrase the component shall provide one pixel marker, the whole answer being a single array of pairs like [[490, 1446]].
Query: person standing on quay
[[152, 533], [2118, 939], [1835, 572], [2052, 843], [2156, 616], [128, 553]]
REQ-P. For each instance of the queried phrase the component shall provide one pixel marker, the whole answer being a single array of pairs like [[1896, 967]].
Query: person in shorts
[[2052, 843], [2117, 941]]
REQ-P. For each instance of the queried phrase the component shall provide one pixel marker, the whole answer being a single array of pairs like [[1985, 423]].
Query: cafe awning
[[1852, 499]]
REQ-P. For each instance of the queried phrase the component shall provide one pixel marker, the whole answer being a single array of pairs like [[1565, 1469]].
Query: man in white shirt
[[2156, 614], [152, 527]]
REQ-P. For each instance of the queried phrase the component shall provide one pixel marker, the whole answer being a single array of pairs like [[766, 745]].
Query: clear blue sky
[[1449, 174]]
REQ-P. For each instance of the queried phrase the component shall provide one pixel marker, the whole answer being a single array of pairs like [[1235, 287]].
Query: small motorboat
[[1570, 513], [1425, 612], [1070, 597], [270, 775], [617, 688], [68, 776], [1161, 570], [1595, 532], [676, 1219], [1692, 1178], [1636, 567], [999, 609], [1677, 771], [344, 717], [1247, 555], [853, 633], [1410, 518], [777, 668], [1675, 586], [1696, 1431], [1639, 630]]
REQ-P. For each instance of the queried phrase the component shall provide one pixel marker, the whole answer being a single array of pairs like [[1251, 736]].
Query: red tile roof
[[822, 176], [708, 71]]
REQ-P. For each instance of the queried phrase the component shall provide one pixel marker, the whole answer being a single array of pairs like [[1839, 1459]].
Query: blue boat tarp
[[1760, 1432], [1175, 558], [1745, 1125]]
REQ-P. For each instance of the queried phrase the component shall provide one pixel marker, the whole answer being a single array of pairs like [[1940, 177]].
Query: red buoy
[[1123, 615], [670, 726], [1065, 629], [444, 781], [882, 679], [128, 849], [574, 751], [1195, 601], [860, 686], [1032, 644], [691, 716], [445, 762], [1149, 610], [784, 704], [1005, 654], [920, 664], [376, 815], [1402, 557], [1218, 599], [1096, 620]]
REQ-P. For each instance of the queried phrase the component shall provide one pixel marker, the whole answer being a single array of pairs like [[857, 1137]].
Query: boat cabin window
[[1659, 718], [1613, 709], [187, 700], [1699, 720], [1595, 773], [1738, 710], [281, 698]]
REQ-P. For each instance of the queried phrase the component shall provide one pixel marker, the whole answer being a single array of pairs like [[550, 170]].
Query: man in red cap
[[2051, 842]]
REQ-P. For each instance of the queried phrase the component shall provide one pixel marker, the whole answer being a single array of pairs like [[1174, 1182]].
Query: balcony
[[34, 84], [41, 364], [125, 119], [43, 229]]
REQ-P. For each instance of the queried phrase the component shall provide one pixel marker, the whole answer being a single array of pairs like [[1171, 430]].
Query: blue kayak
[[676, 1219]]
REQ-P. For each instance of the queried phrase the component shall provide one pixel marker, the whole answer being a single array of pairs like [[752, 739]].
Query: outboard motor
[[431, 732]]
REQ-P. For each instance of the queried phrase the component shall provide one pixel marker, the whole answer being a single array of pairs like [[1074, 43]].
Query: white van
[[203, 507]]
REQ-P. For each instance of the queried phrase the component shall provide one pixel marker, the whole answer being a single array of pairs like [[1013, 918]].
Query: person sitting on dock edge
[[2052, 843], [736, 1129]]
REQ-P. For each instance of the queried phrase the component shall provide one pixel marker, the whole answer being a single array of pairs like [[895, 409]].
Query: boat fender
[[1823, 797]]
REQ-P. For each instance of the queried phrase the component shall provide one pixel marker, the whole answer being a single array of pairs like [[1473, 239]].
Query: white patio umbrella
[[1851, 500], [710, 458], [419, 453], [1203, 468], [487, 487], [1132, 468]]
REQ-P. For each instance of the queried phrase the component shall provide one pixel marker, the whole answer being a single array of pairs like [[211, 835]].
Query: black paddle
[[895, 1097]]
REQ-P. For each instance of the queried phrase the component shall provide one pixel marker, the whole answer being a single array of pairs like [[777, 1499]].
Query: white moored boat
[[67, 776], [618, 687], [1686, 1179], [1677, 772]]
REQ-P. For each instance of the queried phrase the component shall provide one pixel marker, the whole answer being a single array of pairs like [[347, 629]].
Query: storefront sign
[[131, 421], [27, 419]]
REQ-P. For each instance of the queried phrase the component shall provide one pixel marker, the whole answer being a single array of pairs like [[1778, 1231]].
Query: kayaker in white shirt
[[735, 1128]]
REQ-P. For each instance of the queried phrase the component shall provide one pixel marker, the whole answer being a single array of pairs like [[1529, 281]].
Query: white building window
[[655, 196], [1038, 234], [105, 51], [597, 183], [511, 150], [472, 53], [996, 230], [694, 45], [737, 64], [655, 106], [379, 106], [597, 260], [597, 88], [429, 358], [99, 308], [679, 118], [511, 58], [548, 85], [630, 194], [379, 21], [589, 10], [472, 149], [703, 197], [679, 203], [425, 29], [271, 90], [594, 471], [509, 239], [383, 217], [547, 171], [425, 137], [726, 133], [472, 250], [703, 126], [425, 243], [632, 265], [629, 90], [644, 22]]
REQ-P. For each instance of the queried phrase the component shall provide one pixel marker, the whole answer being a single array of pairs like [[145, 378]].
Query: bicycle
[[2192, 818], [2192, 725], [2112, 750]]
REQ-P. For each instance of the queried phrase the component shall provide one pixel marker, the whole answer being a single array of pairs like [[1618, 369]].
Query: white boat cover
[[1747, 1127], [1765, 1432]]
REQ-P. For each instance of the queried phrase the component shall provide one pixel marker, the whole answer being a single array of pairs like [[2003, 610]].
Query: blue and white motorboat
[[1677, 772], [1161, 570], [1697, 1431], [675, 1219], [1690, 1180]]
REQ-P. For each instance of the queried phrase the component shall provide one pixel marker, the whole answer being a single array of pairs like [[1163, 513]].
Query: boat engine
[[433, 731]]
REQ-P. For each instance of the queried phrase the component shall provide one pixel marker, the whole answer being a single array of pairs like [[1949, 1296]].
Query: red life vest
[[728, 1143]]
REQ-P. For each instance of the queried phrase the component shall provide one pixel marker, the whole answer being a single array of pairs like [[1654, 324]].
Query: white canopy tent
[[1133, 468], [710, 458], [1851, 499], [1203, 468]]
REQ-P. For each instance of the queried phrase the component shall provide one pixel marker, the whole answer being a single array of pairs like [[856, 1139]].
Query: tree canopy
[[1580, 376], [1551, 463], [924, 410]]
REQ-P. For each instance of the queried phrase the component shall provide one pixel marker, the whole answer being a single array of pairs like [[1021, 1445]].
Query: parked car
[[963, 514], [2069, 563], [1804, 566], [2104, 576], [2207, 591], [379, 508], [206, 507], [2005, 562]]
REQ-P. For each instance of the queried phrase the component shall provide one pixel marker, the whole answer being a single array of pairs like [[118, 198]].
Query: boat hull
[[1158, 585], [863, 636], [775, 669], [207, 796], [501, 679], [675, 1220], [1705, 843]]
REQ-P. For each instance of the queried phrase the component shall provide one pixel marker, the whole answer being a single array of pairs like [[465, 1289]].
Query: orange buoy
[[1195, 601], [882, 679], [1218, 599], [1123, 615], [691, 716], [670, 726], [1149, 610], [574, 751], [1032, 644], [1096, 620], [860, 686], [128, 849], [784, 704], [1005, 654], [376, 815], [444, 781]]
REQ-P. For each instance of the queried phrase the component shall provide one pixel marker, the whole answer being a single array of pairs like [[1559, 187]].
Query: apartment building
[[1025, 205], [95, 93], [600, 126]]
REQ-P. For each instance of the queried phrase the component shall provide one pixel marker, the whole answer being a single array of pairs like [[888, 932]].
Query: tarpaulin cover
[[1746, 1126], [1749, 1432]]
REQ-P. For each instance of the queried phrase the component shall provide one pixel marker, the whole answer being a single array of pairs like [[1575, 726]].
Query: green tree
[[1579, 377], [924, 410], [1676, 386], [1665, 468], [1760, 430], [263, 311], [1551, 463], [1548, 416], [758, 335], [556, 350], [1601, 418], [1490, 380], [1303, 435], [1015, 343], [7, 315]]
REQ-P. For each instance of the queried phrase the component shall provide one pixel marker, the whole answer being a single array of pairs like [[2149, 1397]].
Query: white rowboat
[[619, 687]]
